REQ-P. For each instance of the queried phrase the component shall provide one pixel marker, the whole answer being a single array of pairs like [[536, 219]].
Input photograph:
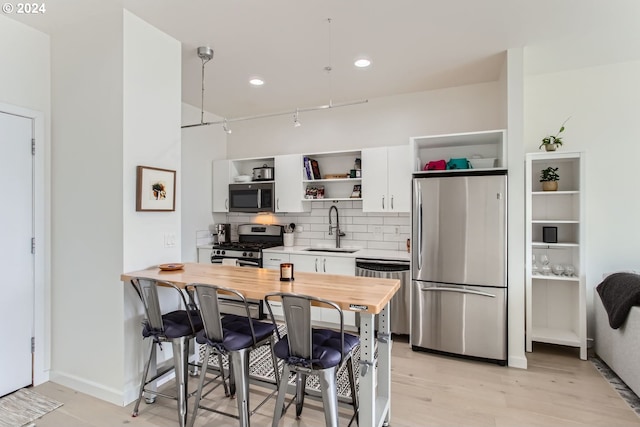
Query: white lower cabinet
[[272, 261], [204, 255], [324, 264], [329, 265]]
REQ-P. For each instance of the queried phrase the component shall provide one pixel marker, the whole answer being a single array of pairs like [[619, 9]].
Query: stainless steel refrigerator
[[459, 264]]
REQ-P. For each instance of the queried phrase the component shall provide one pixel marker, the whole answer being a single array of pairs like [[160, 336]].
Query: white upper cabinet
[[288, 178], [220, 185], [386, 179]]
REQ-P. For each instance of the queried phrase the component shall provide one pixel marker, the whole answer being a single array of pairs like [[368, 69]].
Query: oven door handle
[[239, 262]]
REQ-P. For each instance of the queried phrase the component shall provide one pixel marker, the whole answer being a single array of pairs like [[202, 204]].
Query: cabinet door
[[273, 260], [374, 180], [204, 256], [306, 263], [288, 177], [337, 265], [220, 186], [399, 178]]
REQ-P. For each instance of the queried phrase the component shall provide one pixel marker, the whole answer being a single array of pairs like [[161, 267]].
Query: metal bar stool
[[177, 327], [234, 336], [307, 350]]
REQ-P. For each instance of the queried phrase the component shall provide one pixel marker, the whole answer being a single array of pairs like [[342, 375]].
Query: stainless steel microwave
[[253, 197]]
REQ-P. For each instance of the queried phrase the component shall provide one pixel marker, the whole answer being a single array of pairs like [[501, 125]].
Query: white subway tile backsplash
[[399, 219], [368, 220], [367, 230]]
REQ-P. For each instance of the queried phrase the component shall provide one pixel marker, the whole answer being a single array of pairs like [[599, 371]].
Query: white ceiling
[[415, 45]]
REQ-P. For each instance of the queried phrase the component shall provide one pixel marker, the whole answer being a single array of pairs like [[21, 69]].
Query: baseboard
[[517, 362], [99, 391]]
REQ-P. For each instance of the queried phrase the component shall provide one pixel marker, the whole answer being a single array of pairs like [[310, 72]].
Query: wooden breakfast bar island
[[367, 295]]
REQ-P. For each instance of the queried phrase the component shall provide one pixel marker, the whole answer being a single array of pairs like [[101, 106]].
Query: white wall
[[115, 107], [515, 154], [200, 145], [25, 88], [87, 206], [151, 137], [603, 104], [380, 122]]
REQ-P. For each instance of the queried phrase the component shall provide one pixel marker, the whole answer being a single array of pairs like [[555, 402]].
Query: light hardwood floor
[[558, 389]]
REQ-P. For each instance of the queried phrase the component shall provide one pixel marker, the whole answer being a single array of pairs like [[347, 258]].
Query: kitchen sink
[[340, 250]]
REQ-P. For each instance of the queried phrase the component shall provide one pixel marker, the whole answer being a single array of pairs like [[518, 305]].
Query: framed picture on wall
[[155, 189]]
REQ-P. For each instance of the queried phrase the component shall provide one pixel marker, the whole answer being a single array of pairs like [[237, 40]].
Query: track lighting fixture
[[206, 54], [225, 127], [296, 122]]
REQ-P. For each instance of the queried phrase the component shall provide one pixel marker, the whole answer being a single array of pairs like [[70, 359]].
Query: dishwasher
[[401, 302]]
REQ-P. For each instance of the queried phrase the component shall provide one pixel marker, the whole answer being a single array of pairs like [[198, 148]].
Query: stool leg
[[274, 359], [329, 390], [181, 363], [224, 381], [352, 383], [203, 374], [152, 354], [240, 361], [301, 386], [282, 392]]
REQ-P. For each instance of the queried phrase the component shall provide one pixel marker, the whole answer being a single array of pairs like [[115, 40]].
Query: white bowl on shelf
[[242, 178], [482, 163]]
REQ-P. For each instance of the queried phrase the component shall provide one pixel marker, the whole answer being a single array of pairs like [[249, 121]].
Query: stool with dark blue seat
[[306, 350], [234, 336], [178, 327]]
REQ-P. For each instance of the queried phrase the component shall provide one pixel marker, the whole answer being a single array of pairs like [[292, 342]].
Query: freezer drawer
[[462, 320]]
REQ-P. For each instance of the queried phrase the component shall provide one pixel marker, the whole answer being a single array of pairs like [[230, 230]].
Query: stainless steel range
[[247, 252]]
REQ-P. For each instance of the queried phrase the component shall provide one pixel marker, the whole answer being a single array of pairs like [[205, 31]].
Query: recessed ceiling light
[[362, 62], [256, 81]]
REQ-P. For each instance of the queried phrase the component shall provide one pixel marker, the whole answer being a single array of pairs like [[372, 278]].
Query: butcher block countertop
[[349, 292]]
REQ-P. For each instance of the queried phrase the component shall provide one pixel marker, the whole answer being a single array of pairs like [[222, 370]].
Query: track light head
[[296, 122], [225, 127]]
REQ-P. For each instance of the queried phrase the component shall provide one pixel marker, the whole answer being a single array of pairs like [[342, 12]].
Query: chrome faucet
[[337, 226]]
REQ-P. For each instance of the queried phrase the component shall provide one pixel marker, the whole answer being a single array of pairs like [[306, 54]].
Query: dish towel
[[229, 261]]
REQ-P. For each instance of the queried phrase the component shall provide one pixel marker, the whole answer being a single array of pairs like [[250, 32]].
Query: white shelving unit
[[340, 162], [486, 144], [556, 304]]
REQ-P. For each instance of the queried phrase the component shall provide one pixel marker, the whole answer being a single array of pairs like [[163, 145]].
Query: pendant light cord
[[329, 67], [204, 61]]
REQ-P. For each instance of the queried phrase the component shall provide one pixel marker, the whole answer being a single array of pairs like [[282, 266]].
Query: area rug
[[618, 385], [23, 407], [261, 368]]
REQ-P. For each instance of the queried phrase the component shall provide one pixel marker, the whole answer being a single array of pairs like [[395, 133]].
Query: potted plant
[[549, 178], [550, 143]]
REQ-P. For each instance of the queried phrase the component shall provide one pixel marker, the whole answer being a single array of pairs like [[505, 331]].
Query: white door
[[16, 229]]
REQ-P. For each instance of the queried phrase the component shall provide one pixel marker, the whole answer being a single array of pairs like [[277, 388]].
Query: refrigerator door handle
[[462, 291], [419, 193]]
